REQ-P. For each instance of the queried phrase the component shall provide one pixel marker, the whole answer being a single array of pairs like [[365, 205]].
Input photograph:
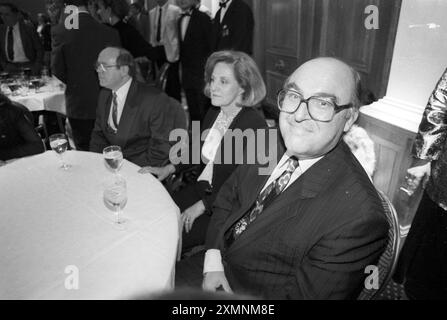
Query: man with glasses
[[130, 114], [310, 228]]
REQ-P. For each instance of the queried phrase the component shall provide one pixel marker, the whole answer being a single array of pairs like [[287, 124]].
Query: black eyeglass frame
[[337, 108]]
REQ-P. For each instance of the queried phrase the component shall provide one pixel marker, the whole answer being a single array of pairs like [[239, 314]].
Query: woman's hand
[[417, 173], [191, 214], [161, 172], [214, 280]]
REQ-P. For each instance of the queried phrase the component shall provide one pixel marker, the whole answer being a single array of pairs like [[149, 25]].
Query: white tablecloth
[[52, 220], [48, 100]]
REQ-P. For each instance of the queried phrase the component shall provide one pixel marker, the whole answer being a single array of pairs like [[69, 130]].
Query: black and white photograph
[[243, 151]]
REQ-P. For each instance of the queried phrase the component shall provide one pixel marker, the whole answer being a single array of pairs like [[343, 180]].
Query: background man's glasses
[[103, 67], [318, 108]]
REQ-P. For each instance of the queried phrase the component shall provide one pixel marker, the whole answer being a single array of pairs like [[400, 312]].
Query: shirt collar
[[304, 163], [122, 91], [228, 4]]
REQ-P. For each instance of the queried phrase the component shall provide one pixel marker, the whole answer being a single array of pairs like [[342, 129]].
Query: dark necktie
[[115, 111], [264, 199], [10, 52], [159, 25]]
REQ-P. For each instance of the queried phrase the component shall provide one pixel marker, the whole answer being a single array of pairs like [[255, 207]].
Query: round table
[[59, 241]]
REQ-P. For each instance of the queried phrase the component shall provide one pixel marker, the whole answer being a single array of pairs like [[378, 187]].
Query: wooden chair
[[388, 260]]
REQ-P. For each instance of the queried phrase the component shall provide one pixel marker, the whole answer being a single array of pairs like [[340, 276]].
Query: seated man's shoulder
[[355, 187]]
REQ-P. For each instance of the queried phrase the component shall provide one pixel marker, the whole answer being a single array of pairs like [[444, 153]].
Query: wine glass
[[59, 143], [113, 158], [115, 197]]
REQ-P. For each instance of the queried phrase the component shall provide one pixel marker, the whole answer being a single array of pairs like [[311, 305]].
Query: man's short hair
[[12, 7], [125, 58], [246, 73], [120, 8]]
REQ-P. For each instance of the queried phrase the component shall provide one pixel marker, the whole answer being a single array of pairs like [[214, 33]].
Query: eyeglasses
[[103, 67], [319, 108]]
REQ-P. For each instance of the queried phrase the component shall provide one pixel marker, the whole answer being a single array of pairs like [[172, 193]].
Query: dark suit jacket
[[18, 138], [76, 52], [236, 30], [132, 40], [31, 44], [195, 49], [312, 242], [141, 23], [247, 118], [142, 131]]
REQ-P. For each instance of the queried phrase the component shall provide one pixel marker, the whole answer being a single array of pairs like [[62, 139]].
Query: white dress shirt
[[164, 11], [19, 52], [121, 96], [213, 258], [184, 24]]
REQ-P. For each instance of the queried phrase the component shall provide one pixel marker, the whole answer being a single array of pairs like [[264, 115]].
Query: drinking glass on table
[[59, 143], [113, 158], [115, 197]]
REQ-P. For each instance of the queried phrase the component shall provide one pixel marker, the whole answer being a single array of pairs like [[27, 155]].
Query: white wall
[[419, 59], [420, 52]]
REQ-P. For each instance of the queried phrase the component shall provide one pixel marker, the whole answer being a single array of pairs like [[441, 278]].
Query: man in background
[[20, 46], [130, 114], [233, 26], [164, 38], [195, 47]]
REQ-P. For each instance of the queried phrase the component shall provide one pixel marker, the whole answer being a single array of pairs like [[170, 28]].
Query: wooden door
[[289, 32]]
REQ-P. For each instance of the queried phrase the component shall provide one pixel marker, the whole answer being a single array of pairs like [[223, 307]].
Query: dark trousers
[[185, 198], [197, 103], [81, 130], [173, 88], [423, 260]]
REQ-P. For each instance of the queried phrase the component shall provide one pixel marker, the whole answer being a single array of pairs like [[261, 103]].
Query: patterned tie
[[264, 199], [115, 111], [159, 25], [10, 52]]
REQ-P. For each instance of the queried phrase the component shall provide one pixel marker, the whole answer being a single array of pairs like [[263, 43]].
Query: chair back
[[162, 77], [388, 260]]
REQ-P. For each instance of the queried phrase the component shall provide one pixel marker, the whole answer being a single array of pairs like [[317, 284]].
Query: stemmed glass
[[115, 197], [59, 143], [113, 158]]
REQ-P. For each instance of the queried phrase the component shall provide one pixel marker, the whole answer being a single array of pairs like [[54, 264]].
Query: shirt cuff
[[213, 261]]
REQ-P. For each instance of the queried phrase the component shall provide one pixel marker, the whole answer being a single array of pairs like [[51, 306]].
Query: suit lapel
[[108, 102], [129, 112], [232, 8], [307, 186]]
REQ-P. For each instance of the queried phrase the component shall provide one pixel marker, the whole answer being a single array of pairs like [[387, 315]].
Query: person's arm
[[157, 153], [226, 200], [38, 48], [58, 65], [431, 137], [32, 142], [335, 266], [98, 141]]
